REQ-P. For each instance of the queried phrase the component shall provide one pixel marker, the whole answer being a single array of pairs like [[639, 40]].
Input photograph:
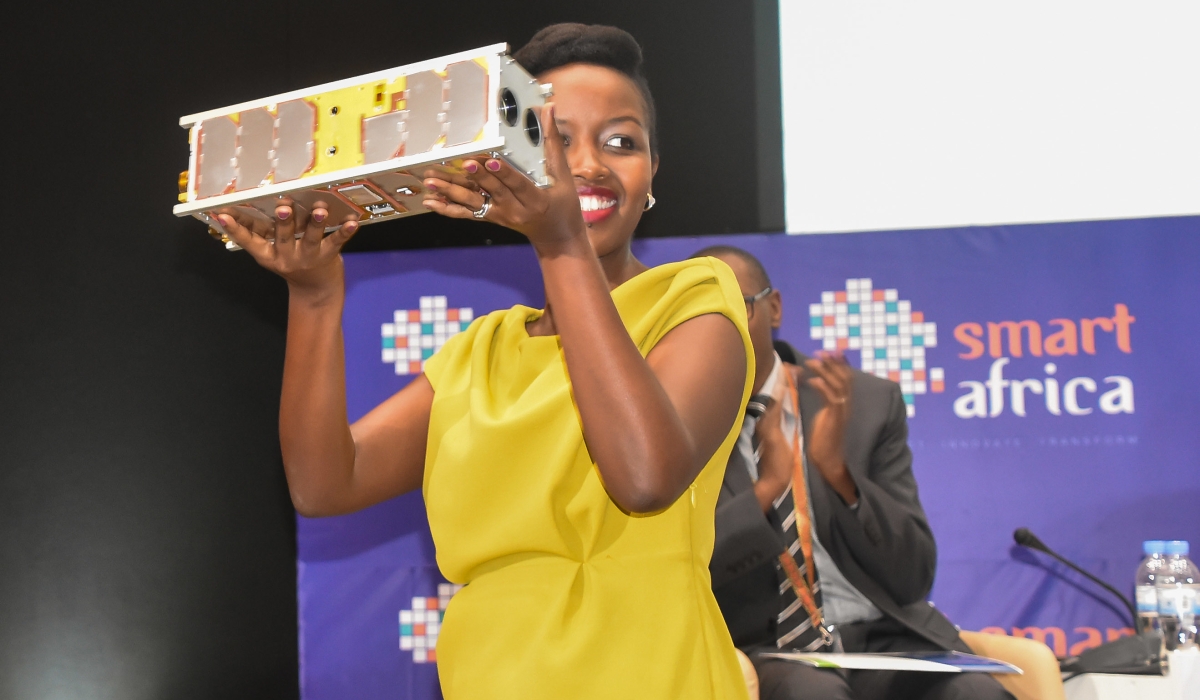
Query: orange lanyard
[[802, 587]]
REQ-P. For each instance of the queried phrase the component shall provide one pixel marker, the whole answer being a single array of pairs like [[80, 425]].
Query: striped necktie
[[795, 628]]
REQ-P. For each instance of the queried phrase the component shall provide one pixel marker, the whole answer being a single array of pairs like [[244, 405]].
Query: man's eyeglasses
[[750, 301]]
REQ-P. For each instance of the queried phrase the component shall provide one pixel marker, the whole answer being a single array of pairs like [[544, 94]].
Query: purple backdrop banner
[[1051, 376]]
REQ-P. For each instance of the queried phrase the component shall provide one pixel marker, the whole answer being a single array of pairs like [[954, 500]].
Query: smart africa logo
[[1058, 340], [420, 625], [415, 334], [891, 337]]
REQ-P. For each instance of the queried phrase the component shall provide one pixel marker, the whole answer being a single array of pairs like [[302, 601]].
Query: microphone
[[1139, 654], [1027, 539]]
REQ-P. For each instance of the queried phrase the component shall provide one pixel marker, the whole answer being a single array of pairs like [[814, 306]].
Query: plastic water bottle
[[1177, 587], [1145, 582]]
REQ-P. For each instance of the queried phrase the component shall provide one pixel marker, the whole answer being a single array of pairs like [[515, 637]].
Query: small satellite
[[363, 144]]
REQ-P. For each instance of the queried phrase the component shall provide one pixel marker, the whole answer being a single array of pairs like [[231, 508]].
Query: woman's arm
[[651, 424], [331, 467]]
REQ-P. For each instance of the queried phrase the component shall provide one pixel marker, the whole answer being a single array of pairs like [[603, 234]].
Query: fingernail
[[283, 213], [471, 166], [431, 187], [225, 220], [351, 226], [318, 216], [493, 165]]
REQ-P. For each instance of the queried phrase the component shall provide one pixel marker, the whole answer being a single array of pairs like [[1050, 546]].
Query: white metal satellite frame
[[362, 145]]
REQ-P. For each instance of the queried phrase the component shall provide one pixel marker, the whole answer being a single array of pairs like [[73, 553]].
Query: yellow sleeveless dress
[[568, 597]]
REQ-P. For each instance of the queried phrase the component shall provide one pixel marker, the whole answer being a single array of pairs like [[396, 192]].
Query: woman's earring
[[649, 202]]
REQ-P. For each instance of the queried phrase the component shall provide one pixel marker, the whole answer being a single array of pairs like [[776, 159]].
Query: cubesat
[[362, 144]]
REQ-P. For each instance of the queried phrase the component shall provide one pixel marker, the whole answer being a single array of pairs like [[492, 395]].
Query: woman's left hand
[[549, 217]]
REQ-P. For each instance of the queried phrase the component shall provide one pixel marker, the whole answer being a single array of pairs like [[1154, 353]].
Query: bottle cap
[[1154, 547], [1177, 547]]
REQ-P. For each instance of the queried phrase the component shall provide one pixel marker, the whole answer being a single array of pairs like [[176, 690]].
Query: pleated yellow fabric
[[567, 596]]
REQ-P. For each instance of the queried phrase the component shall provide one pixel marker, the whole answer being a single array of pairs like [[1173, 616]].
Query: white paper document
[[935, 662]]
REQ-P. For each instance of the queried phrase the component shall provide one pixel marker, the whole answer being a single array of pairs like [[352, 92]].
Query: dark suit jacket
[[884, 547]]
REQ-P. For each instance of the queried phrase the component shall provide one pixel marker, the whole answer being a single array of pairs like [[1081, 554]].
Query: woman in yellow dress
[[570, 457]]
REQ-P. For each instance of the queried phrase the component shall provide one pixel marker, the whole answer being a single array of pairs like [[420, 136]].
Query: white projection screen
[[939, 113]]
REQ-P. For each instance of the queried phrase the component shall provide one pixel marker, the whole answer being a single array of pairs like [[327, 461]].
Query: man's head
[[764, 313]]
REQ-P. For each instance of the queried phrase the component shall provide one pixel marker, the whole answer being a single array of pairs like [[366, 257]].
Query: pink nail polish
[[471, 166], [283, 214], [432, 187], [493, 165], [318, 216]]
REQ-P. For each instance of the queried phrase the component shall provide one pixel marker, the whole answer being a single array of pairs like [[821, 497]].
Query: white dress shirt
[[841, 602]]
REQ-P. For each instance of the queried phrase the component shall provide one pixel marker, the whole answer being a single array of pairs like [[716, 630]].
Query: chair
[[1041, 679]]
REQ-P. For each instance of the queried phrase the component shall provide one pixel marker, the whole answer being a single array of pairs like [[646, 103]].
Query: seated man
[[849, 568]]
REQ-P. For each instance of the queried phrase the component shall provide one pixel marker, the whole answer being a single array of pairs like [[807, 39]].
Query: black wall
[[146, 539]]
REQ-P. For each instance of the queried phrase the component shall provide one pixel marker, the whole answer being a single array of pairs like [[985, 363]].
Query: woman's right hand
[[548, 216], [311, 263]]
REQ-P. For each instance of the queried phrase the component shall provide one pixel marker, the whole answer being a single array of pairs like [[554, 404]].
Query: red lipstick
[[596, 203]]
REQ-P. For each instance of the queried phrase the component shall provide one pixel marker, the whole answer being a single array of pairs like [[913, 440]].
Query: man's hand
[[776, 463], [831, 376], [775, 460]]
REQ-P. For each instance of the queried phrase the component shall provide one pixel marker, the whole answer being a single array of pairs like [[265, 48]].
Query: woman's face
[[603, 121]]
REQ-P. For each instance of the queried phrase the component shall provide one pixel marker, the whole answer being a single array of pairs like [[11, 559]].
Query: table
[[1181, 683]]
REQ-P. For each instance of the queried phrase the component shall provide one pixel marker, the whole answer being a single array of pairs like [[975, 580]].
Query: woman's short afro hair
[[563, 44]]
